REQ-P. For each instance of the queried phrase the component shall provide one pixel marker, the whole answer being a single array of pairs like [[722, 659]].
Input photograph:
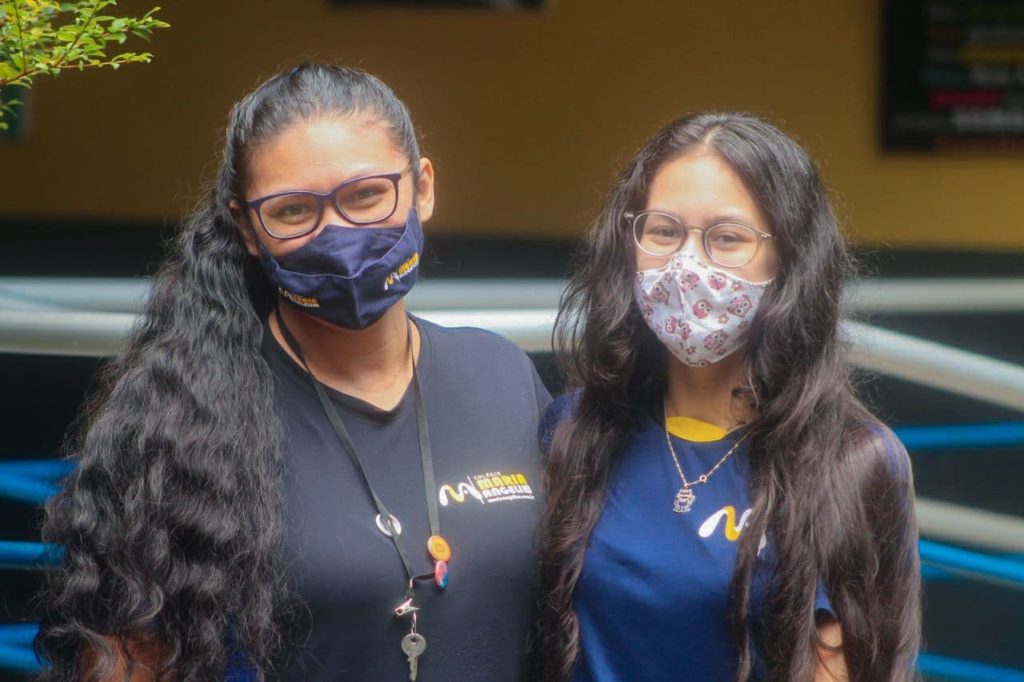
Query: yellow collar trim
[[695, 430]]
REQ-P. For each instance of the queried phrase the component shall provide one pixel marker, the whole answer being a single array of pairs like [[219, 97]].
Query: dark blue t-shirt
[[483, 400], [652, 599]]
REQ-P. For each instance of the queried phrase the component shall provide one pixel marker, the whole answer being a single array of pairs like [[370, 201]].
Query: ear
[[244, 225], [425, 190]]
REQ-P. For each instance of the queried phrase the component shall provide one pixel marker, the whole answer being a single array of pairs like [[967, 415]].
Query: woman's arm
[[887, 646], [831, 663]]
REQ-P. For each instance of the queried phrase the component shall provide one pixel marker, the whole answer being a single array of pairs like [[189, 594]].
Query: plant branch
[[21, 35], [29, 35], [95, 65], [74, 43]]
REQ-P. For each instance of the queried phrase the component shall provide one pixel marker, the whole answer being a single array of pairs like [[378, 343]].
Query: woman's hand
[[831, 663]]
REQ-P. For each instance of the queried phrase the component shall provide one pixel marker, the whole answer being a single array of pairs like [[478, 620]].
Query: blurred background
[[914, 110]]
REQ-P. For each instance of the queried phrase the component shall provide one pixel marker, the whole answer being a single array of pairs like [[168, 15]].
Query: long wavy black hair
[[830, 486], [172, 522]]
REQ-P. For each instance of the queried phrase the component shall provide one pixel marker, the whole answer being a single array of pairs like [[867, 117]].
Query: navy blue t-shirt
[[652, 599], [483, 400]]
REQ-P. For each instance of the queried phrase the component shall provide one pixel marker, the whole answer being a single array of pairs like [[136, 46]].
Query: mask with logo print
[[349, 276], [698, 312]]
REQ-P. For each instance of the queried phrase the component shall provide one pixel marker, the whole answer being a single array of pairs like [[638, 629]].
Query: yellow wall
[[527, 115]]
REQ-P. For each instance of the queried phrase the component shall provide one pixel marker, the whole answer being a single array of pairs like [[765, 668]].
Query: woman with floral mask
[[720, 505], [288, 476]]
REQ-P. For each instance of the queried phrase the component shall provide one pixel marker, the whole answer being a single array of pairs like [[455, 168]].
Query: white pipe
[[95, 294], [935, 365], [924, 362], [63, 332], [528, 329], [101, 334], [878, 295], [127, 295], [486, 294], [961, 525], [928, 295]]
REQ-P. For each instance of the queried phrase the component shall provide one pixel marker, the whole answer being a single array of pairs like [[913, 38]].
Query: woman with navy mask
[[287, 475], [720, 505]]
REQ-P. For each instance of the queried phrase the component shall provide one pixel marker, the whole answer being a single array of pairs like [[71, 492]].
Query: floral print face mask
[[698, 312]]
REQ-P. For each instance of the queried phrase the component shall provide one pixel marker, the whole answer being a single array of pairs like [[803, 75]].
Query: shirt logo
[[487, 488], [448, 494], [733, 528]]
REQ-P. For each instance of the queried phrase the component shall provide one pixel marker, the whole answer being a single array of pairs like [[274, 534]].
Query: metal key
[[414, 644]]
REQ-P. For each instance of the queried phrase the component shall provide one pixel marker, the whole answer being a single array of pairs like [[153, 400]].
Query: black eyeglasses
[[731, 245], [361, 201]]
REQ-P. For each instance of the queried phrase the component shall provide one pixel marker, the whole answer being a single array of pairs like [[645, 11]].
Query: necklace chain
[[703, 478]]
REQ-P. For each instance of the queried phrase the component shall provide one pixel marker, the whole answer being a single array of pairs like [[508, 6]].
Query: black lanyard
[[386, 519]]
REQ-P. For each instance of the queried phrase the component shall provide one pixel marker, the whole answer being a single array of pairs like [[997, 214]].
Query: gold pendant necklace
[[686, 497]]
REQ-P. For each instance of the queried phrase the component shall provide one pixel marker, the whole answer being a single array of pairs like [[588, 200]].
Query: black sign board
[[953, 75]]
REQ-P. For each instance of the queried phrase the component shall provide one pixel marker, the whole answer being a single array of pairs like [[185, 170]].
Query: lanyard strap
[[350, 449]]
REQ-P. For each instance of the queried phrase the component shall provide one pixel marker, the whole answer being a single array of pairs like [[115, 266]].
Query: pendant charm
[[441, 574], [684, 500], [438, 548]]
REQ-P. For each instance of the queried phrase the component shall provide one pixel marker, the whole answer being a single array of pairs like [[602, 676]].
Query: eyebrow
[[732, 218], [365, 173], [714, 220]]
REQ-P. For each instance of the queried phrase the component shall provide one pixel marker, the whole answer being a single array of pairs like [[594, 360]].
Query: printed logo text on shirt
[[487, 488]]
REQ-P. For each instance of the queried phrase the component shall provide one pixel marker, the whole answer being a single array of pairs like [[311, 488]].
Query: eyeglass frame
[[322, 198], [631, 217]]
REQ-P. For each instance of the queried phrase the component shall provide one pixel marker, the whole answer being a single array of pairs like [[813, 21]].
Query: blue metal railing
[[34, 481], [29, 555], [972, 564], [959, 669], [945, 437], [16, 651]]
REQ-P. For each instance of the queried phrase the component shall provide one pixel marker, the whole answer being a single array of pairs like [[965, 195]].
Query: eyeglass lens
[[367, 200], [728, 244]]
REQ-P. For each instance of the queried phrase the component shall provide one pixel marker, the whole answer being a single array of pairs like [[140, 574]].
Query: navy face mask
[[349, 276]]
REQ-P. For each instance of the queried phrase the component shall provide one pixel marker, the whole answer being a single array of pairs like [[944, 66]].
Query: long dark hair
[[172, 522], [830, 486]]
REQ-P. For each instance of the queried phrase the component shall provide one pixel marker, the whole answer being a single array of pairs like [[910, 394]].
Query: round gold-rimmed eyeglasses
[[728, 244]]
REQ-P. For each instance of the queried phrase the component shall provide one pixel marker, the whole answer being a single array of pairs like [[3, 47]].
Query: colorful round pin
[[441, 574], [439, 548]]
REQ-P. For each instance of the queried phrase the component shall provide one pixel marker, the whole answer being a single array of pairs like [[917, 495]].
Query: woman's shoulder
[[471, 356], [888, 448], [471, 340], [879, 453], [560, 409]]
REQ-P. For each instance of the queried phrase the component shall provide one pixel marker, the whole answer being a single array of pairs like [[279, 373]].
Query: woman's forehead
[[700, 186], [320, 153]]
